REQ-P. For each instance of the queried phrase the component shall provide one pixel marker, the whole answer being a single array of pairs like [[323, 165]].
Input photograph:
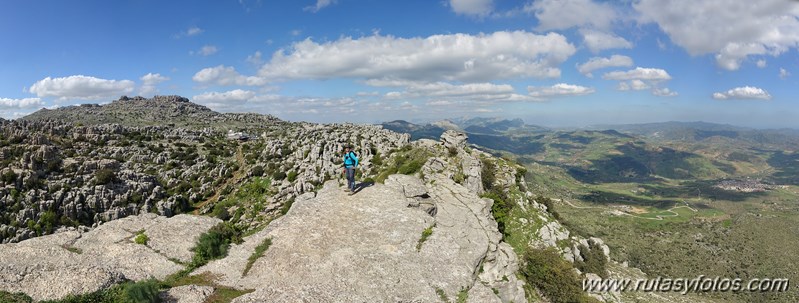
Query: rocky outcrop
[[84, 165], [454, 139], [335, 247], [75, 262]]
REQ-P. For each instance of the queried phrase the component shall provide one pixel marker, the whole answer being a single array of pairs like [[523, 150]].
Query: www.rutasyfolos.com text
[[686, 285]]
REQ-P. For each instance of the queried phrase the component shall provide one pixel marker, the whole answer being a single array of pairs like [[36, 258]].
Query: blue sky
[[550, 62]]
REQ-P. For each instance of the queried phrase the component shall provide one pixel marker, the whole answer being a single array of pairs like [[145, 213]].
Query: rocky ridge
[[320, 244], [57, 171]]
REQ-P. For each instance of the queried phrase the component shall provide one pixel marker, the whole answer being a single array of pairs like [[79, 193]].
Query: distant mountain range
[[489, 129]]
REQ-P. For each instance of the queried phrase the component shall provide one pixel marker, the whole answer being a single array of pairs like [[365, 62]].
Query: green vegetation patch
[[129, 292], [426, 233], [259, 252], [554, 277], [214, 244], [407, 160], [141, 238]]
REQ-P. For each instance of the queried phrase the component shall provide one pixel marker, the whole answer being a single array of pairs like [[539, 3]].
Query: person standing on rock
[[350, 163]]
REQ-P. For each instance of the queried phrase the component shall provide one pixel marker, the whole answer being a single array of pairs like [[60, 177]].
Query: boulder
[[454, 139]]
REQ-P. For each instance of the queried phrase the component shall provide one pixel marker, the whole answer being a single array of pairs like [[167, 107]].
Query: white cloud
[[255, 58], [225, 75], [733, 29], [746, 92], [596, 63], [6, 103], [784, 73], [81, 87], [635, 84], [487, 92], [153, 79], [194, 31], [598, 41], [453, 57], [149, 83], [236, 95], [664, 92], [206, 50], [320, 4], [477, 8], [641, 79], [640, 73], [761, 63], [560, 89], [565, 14]]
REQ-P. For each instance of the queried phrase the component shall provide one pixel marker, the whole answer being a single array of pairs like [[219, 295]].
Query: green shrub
[[257, 171], [377, 160], [214, 244], [9, 177], [141, 238], [487, 175], [279, 176], [550, 206], [500, 209], [411, 167], [553, 276], [142, 292], [49, 221], [452, 151], [292, 176], [594, 260], [220, 212], [105, 176]]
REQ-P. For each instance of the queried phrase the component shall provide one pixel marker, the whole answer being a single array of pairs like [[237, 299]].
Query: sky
[[562, 63]]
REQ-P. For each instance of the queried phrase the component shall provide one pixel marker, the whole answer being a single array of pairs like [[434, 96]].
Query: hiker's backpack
[[347, 155]]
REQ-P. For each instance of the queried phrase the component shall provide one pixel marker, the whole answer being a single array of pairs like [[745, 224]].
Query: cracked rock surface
[[55, 266], [363, 248]]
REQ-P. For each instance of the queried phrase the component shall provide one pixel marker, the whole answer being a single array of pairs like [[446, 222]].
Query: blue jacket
[[350, 159]]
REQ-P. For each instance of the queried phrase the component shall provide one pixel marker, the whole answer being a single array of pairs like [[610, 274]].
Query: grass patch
[[442, 295], [463, 295], [259, 252], [141, 238], [19, 297], [407, 160], [426, 233]]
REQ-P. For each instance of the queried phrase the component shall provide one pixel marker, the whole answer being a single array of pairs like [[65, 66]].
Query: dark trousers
[[351, 178]]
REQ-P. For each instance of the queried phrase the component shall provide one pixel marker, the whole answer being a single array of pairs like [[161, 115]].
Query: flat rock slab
[[187, 294], [361, 248], [54, 266]]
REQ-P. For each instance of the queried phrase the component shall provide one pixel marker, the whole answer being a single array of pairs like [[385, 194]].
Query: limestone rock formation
[[454, 139], [364, 248], [73, 262]]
